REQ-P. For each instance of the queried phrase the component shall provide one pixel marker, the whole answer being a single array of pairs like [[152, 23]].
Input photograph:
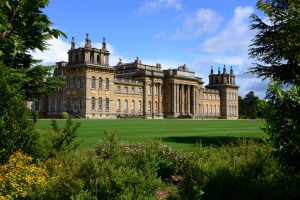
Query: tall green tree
[[23, 27], [276, 45], [277, 50]]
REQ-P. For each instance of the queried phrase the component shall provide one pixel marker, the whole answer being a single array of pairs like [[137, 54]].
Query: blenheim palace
[[94, 89]]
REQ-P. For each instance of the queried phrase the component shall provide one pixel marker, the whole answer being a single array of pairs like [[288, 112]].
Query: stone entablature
[[94, 89]]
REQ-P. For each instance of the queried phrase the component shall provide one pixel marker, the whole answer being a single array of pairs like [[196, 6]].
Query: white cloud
[[57, 51], [197, 23], [149, 6], [236, 36]]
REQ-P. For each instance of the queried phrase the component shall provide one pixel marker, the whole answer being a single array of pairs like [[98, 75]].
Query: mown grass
[[179, 134]]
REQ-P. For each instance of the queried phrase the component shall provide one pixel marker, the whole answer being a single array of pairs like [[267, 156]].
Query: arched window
[[93, 82], [93, 101], [98, 59], [107, 104], [107, 84], [132, 106], [139, 106], [100, 104], [126, 105], [118, 105], [100, 83]]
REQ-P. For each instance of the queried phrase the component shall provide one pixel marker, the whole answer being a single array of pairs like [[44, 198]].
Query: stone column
[[182, 99], [153, 99], [177, 98], [159, 98], [173, 98], [188, 99], [145, 99]]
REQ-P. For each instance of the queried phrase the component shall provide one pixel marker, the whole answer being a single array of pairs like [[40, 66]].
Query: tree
[[277, 49], [23, 27], [248, 107], [276, 45]]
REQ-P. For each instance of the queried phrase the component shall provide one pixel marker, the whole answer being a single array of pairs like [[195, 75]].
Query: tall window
[[55, 104], [107, 104], [93, 82], [149, 106], [132, 106], [100, 104], [100, 83], [49, 105], [139, 105], [119, 89], [80, 82], [61, 104], [80, 104], [133, 90], [93, 101], [118, 105], [74, 104], [211, 110], [126, 89], [73, 82], [98, 59], [69, 104], [155, 106], [107, 84], [125, 105]]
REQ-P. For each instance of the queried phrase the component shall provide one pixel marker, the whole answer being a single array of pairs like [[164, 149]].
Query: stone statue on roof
[[183, 68]]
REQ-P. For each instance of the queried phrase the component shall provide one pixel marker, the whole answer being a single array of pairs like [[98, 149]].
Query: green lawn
[[179, 134]]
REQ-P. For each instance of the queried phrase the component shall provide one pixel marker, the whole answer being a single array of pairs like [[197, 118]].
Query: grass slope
[[179, 134]]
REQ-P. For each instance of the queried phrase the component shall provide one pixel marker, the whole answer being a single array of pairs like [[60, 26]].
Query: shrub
[[64, 115], [20, 178]]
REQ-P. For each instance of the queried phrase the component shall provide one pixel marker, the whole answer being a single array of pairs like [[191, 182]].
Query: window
[[215, 109], [210, 108], [100, 83], [93, 82], [73, 82], [126, 89], [80, 104], [125, 105], [100, 104], [206, 109], [118, 105], [107, 104], [50, 105], [69, 83], [107, 84], [69, 103], [118, 89], [55, 105], [93, 103], [80, 82], [149, 89], [98, 59], [139, 106], [132, 106], [133, 90], [140, 90], [155, 106], [149, 106], [74, 104], [92, 58], [61, 104]]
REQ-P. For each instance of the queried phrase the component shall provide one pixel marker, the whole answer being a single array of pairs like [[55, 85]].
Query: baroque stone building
[[94, 89]]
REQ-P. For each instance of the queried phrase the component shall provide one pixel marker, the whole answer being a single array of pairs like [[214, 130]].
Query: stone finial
[[73, 43], [212, 70], [103, 44], [231, 71], [224, 70], [87, 41], [120, 61], [219, 71], [137, 58]]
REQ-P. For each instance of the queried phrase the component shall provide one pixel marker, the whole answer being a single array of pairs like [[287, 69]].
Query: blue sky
[[199, 33]]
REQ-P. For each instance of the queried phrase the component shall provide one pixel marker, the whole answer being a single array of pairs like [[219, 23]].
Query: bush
[[64, 115], [20, 178]]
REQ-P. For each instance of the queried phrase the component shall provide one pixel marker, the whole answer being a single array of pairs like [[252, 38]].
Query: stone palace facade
[[94, 89]]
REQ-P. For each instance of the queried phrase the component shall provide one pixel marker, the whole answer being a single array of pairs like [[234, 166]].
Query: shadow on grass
[[210, 141]]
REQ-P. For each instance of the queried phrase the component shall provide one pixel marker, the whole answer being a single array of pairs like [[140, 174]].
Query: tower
[[225, 83]]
